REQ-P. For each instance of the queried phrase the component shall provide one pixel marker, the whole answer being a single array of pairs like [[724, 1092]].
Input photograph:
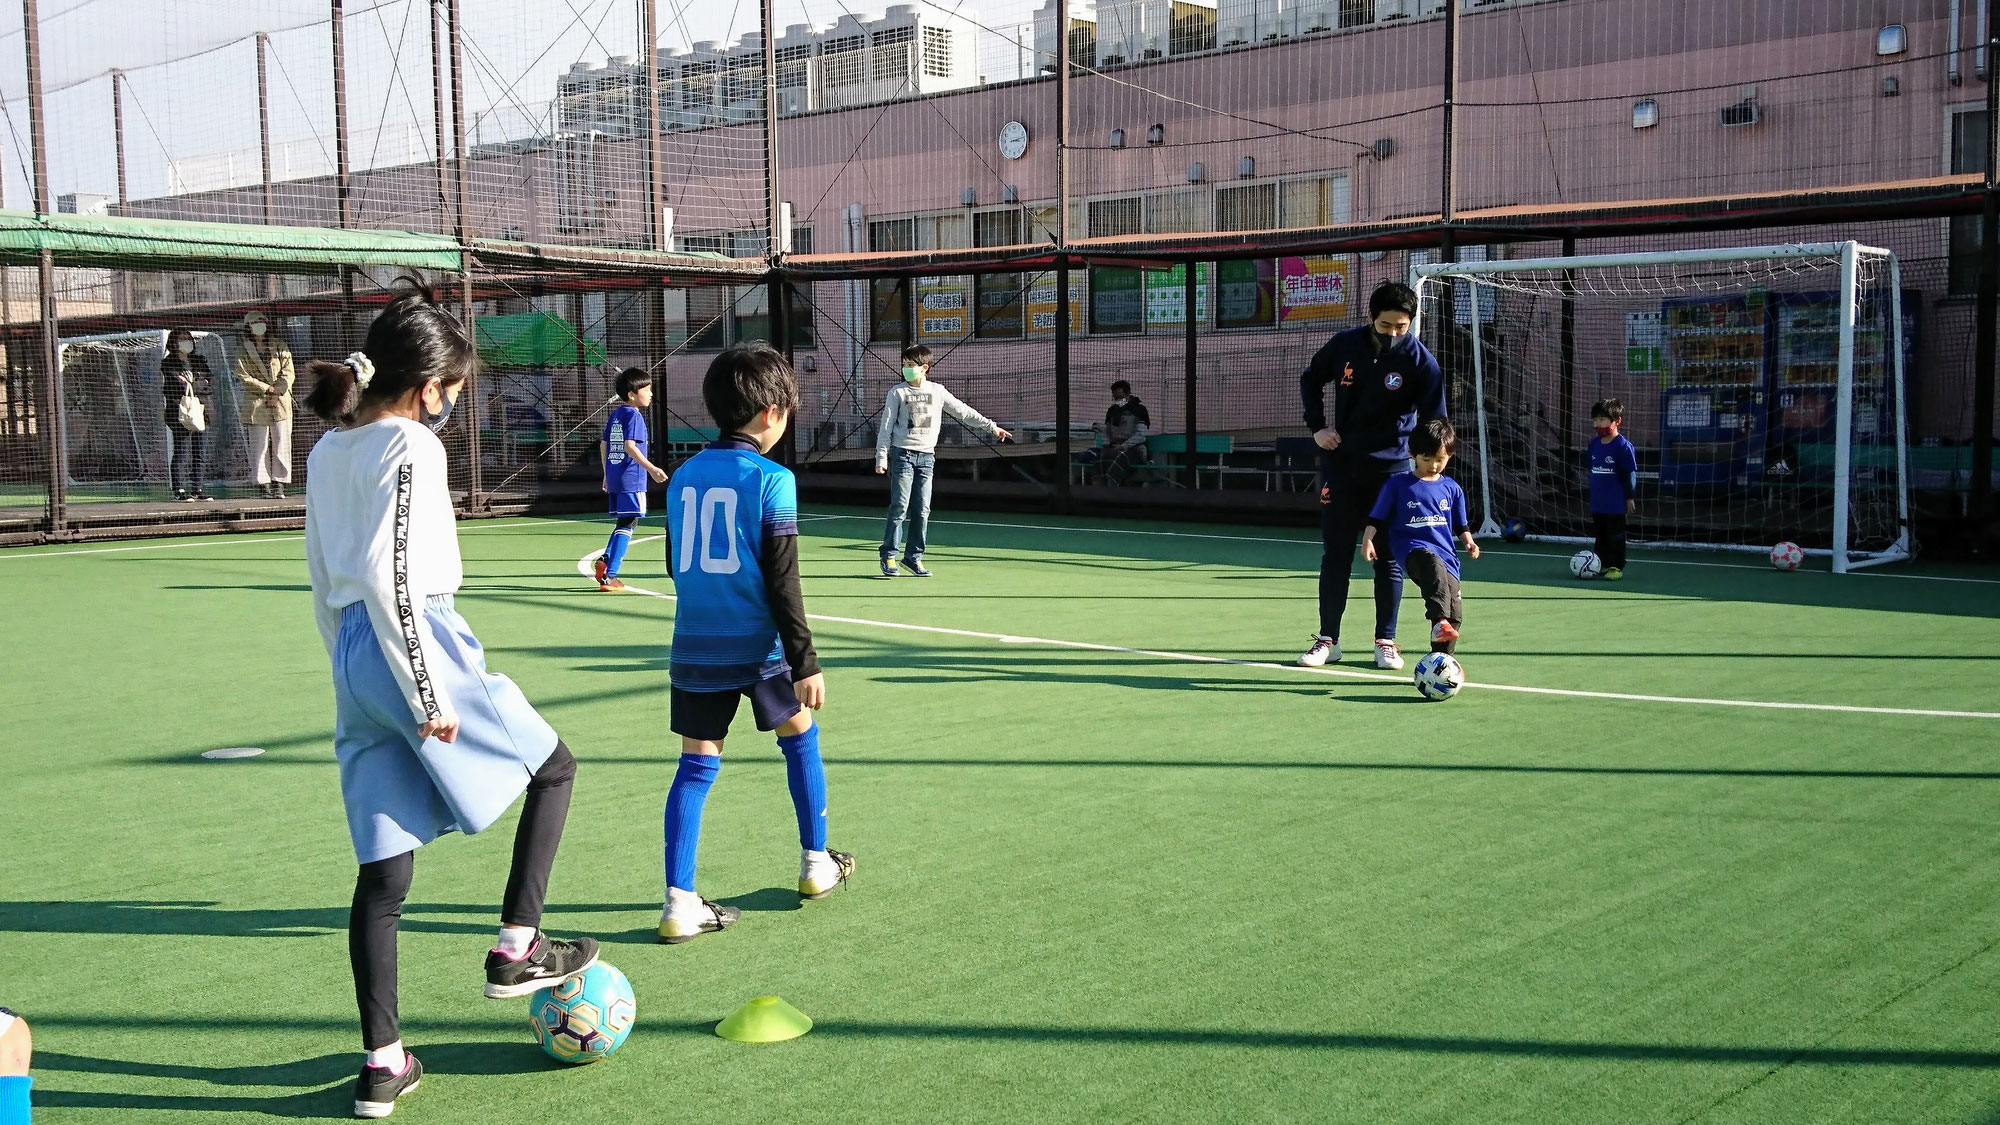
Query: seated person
[[1124, 431]]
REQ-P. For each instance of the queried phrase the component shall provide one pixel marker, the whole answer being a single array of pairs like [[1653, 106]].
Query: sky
[[190, 94]]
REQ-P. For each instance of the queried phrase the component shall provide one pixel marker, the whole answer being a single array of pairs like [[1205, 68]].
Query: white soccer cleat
[[1322, 653], [1388, 656], [820, 873]]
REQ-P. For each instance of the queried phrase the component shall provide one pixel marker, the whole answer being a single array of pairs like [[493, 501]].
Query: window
[[802, 240], [886, 312], [1107, 217], [1323, 201], [1250, 207], [1892, 40], [1645, 114], [708, 318], [1173, 212], [889, 236], [997, 297], [1968, 154], [937, 52], [752, 311], [894, 35]]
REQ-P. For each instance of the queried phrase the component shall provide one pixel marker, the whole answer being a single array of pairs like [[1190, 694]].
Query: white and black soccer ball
[[1438, 676], [1787, 556], [1586, 564]]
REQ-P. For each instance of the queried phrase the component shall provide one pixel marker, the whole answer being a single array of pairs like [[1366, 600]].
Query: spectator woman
[[264, 367], [185, 372]]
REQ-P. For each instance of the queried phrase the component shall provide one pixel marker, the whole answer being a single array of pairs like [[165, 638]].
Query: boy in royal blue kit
[[1424, 512], [740, 627], [1614, 482], [626, 469]]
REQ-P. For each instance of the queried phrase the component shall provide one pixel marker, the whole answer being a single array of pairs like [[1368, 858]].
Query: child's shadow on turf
[[771, 899], [330, 1071]]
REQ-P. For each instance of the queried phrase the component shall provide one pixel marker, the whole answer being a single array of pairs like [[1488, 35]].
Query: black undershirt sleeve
[[788, 604]]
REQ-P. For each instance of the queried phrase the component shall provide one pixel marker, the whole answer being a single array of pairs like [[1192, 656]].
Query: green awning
[[533, 339], [117, 242]]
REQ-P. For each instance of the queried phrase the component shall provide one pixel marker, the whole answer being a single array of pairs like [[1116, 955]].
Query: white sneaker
[[1322, 652], [821, 872], [1387, 655], [688, 916]]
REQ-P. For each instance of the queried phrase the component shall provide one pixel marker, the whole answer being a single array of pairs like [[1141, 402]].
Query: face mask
[[1120, 401], [437, 421], [1604, 431], [185, 347], [257, 328], [912, 374], [1383, 341]]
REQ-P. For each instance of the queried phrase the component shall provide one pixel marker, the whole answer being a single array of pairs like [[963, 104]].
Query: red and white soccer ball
[[1787, 556]]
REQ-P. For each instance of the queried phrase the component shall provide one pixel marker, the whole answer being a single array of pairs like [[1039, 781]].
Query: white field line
[[255, 538], [583, 567]]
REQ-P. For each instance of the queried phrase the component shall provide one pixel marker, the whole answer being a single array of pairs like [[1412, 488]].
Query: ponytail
[[412, 341], [334, 396]]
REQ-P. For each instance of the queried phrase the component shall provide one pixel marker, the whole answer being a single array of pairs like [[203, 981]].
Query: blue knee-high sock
[[614, 551], [684, 802], [807, 780], [14, 1100]]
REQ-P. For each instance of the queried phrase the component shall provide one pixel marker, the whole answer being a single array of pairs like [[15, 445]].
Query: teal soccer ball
[[1439, 677], [585, 1017]]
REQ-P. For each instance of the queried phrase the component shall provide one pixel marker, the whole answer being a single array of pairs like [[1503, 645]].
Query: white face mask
[[185, 347], [1120, 401], [257, 328]]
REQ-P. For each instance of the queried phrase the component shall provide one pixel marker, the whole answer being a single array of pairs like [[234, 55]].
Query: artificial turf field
[[1094, 884]]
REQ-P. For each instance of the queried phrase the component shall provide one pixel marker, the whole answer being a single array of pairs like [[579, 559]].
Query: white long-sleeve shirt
[[380, 529], [913, 415]]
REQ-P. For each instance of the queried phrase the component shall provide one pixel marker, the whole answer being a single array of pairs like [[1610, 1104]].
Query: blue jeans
[[909, 497]]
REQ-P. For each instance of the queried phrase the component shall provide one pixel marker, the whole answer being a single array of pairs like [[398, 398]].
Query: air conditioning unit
[[1739, 115]]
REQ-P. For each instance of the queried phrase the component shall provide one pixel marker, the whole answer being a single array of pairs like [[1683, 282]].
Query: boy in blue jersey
[[1424, 512], [1614, 482], [623, 452], [740, 627]]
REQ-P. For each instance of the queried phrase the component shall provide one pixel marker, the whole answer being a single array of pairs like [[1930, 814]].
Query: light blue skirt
[[402, 792]]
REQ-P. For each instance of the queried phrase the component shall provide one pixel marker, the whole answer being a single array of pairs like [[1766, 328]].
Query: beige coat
[[263, 378]]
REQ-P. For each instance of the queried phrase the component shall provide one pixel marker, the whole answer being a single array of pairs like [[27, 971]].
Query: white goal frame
[[1849, 254]]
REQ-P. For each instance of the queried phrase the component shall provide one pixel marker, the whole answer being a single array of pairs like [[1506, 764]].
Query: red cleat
[[601, 569]]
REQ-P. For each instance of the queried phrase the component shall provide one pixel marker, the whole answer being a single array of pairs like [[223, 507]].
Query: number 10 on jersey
[[700, 512]]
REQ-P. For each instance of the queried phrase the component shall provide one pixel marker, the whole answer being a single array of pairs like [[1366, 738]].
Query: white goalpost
[[1763, 387]]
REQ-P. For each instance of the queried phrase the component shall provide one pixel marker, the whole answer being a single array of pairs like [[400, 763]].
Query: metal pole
[[656, 226], [475, 491], [1449, 162], [118, 134], [55, 435], [264, 145], [438, 149], [1905, 534], [775, 251], [1989, 291], [1062, 377], [1843, 425], [342, 171], [1189, 357], [779, 297], [1567, 401]]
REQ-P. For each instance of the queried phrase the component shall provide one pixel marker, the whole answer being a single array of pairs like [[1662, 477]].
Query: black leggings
[[627, 523], [1610, 530], [382, 886], [1441, 594]]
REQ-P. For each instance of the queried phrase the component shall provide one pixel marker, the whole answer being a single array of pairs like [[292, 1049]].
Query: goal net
[[1761, 387]]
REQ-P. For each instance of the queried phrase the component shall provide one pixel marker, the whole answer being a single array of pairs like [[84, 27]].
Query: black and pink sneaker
[[548, 961], [376, 1091]]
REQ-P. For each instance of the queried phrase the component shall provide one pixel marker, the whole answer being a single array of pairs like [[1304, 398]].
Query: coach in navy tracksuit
[[1385, 385]]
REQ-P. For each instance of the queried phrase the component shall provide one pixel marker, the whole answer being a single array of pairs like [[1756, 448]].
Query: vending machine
[[1805, 382], [1713, 410]]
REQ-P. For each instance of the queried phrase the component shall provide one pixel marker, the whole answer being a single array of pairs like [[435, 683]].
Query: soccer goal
[[1762, 387]]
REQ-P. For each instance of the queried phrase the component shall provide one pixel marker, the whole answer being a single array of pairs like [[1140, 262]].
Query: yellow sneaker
[[818, 880], [1613, 574]]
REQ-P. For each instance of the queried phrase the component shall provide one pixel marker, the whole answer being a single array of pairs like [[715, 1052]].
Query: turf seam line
[[583, 567], [255, 538]]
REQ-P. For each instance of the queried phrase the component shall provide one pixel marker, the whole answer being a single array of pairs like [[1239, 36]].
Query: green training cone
[[767, 1019]]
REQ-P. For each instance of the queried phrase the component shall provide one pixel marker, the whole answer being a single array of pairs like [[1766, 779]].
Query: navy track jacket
[[1379, 397]]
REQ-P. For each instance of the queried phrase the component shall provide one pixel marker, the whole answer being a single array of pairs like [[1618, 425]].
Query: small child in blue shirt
[[1614, 481], [1424, 513], [623, 451], [740, 628]]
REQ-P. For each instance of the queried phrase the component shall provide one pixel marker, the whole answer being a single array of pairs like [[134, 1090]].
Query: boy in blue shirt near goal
[[1614, 482], [740, 628], [626, 469], [1424, 513]]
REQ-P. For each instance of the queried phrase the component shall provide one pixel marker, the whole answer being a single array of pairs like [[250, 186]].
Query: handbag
[[194, 417]]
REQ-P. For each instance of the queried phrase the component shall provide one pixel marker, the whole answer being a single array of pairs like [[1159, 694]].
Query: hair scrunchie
[[364, 369]]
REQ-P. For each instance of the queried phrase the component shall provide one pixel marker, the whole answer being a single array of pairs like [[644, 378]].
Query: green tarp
[[113, 242], [533, 339]]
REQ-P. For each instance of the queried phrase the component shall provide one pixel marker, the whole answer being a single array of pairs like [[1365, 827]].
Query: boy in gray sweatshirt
[[906, 450]]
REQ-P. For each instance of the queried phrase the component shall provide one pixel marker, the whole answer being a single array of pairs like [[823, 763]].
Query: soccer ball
[[1439, 677], [1513, 530], [1586, 564], [585, 1017], [1787, 556]]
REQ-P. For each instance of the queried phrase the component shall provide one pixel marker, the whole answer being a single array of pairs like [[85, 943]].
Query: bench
[[1162, 458]]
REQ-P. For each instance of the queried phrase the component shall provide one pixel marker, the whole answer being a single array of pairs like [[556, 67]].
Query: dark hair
[[631, 379], [411, 341], [1121, 383], [1434, 436], [746, 380], [174, 335], [1608, 408], [917, 354], [1392, 296]]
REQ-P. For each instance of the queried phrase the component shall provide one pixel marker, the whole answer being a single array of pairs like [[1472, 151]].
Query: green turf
[[1094, 885]]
